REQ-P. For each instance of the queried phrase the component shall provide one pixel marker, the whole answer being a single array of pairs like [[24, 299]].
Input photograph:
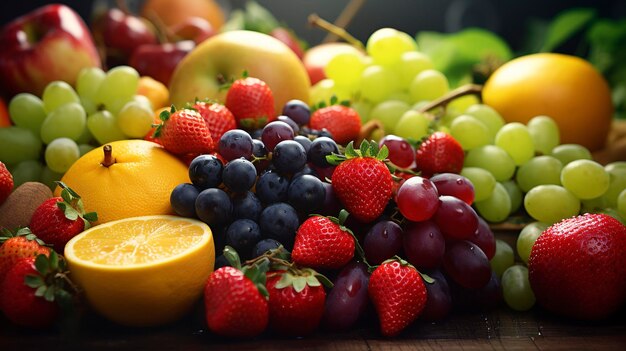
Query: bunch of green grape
[[52, 131]]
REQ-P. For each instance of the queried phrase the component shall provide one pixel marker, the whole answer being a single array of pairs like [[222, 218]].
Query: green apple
[[227, 55]]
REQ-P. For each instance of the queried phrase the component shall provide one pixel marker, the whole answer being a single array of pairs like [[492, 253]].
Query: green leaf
[[232, 257], [565, 25], [69, 211], [428, 279], [53, 261], [285, 281], [333, 100], [299, 283], [311, 280], [383, 153], [33, 281], [164, 115], [325, 281], [42, 264], [350, 152], [374, 149], [41, 291], [66, 196], [364, 147], [91, 216], [259, 19], [236, 21], [49, 294]]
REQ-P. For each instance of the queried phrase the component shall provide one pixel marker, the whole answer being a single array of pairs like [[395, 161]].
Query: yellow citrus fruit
[[137, 180], [155, 91], [142, 271], [174, 12], [566, 88]]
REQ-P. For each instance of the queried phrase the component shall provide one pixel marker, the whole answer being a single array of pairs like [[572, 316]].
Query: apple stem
[[108, 160], [443, 101], [345, 17], [317, 21], [368, 128]]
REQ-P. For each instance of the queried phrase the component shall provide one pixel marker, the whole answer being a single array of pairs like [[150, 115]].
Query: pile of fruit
[[290, 207]]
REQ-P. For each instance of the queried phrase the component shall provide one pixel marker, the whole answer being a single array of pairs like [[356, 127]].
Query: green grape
[[103, 127], [58, 93], [621, 203], [143, 101], [515, 194], [497, 207], [50, 177], [378, 83], [482, 180], [135, 120], [503, 258], [462, 103], [469, 132], [117, 88], [527, 237], [412, 124], [389, 113], [345, 68], [410, 65], [85, 148], [386, 45], [61, 153], [617, 182], [586, 179], [321, 91], [400, 96], [567, 153], [88, 82], [26, 171], [428, 85], [363, 108], [85, 137], [490, 117], [594, 205], [27, 111], [18, 144], [538, 171], [551, 203], [515, 139], [545, 134], [516, 289], [492, 158], [66, 121]]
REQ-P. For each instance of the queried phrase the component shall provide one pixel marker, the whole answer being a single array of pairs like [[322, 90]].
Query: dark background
[[506, 17]]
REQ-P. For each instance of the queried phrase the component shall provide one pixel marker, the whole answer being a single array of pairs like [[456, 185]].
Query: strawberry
[[6, 183], [323, 242], [34, 291], [398, 293], [577, 267], [218, 118], [235, 298], [343, 122], [59, 219], [183, 132], [439, 153], [296, 301], [18, 245], [362, 181], [251, 101]]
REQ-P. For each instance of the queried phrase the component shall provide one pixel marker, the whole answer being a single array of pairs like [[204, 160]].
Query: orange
[[143, 271], [137, 183], [566, 88], [173, 12], [155, 91]]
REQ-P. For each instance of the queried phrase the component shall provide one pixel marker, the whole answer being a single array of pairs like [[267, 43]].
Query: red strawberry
[[577, 267], [343, 122], [252, 103], [218, 118], [399, 295], [34, 289], [438, 154], [323, 242], [59, 219], [234, 304], [296, 302], [362, 182], [184, 132], [6, 183], [18, 245]]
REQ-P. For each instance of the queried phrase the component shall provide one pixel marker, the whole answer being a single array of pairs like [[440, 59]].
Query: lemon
[[142, 271]]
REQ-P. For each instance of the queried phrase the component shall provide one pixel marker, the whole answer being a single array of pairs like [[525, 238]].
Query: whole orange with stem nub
[[126, 178], [566, 88]]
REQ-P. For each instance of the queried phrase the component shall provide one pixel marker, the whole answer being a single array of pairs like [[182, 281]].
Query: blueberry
[[289, 157], [298, 111], [221, 261], [183, 199], [235, 143], [239, 175], [320, 148], [304, 141], [246, 205], [279, 221], [306, 194], [213, 206], [272, 187], [264, 246], [242, 235], [205, 171]]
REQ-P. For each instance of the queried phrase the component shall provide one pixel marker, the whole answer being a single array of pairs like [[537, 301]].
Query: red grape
[[439, 299], [275, 132], [455, 218], [347, 300], [467, 264], [417, 199], [424, 245], [401, 153], [484, 238], [454, 185], [382, 241]]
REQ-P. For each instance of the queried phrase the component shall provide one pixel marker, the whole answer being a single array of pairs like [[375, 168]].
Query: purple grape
[[347, 301], [332, 206], [272, 187], [439, 299], [239, 175], [264, 246], [274, 133], [243, 235], [320, 148], [246, 205], [401, 153], [485, 298], [183, 199], [259, 151], [234, 144], [304, 141], [289, 157], [484, 238], [213, 207], [454, 185], [294, 126], [205, 171], [280, 221], [298, 111], [382, 241], [306, 194], [455, 218], [424, 244], [467, 264]]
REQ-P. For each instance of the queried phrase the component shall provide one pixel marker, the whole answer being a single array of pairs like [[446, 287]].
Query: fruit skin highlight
[[566, 88], [138, 183]]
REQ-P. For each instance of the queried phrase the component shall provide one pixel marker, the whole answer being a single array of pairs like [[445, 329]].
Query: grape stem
[[344, 18], [451, 96], [108, 160], [317, 21]]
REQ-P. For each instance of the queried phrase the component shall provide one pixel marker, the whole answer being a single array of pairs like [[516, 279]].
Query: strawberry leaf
[[232, 257], [383, 153], [325, 281], [299, 283], [428, 279], [41, 290], [311, 280], [334, 100], [364, 148], [374, 149], [49, 294], [33, 281], [42, 264], [53, 261], [350, 152], [69, 212], [91, 216], [285, 281]]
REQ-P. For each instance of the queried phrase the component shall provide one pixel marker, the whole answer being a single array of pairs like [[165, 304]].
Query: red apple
[[289, 38], [5, 120], [193, 28], [159, 60], [317, 57], [47, 44]]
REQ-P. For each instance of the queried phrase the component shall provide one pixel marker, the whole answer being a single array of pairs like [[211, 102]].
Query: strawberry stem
[[108, 160]]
